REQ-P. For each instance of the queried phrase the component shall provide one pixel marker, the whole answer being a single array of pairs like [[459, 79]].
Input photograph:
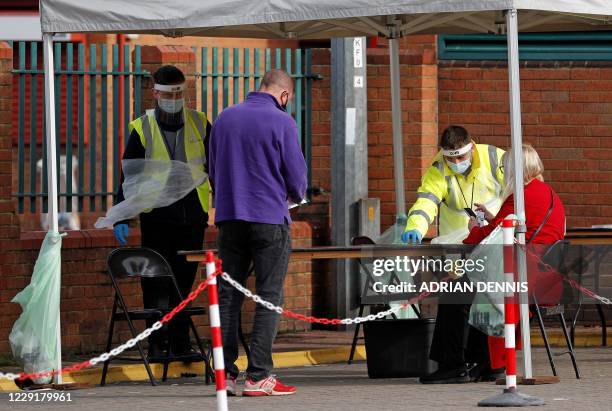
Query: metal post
[[398, 139], [215, 330], [517, 156], [52, 164], [349, 152]]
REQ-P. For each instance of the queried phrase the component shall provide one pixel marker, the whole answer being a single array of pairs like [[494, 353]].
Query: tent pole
[[51, 162], [398, 141], [519, 195]]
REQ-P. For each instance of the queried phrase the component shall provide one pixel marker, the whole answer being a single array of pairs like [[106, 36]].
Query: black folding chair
[[588, 267], [555, 256], [365, 299], [133, 262]]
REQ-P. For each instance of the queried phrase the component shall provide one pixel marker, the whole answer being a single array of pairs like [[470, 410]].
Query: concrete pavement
[[341, 387]]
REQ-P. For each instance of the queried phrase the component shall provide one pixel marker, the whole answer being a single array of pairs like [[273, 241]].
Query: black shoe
[[484, 373], [445, 375]]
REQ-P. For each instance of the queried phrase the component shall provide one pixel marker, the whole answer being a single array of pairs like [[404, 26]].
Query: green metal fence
[[95, 99], [89, 111]]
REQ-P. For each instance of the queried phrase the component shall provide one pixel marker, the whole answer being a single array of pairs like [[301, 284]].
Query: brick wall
[[566, 112]]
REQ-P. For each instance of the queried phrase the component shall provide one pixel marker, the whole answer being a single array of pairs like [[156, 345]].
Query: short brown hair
[[454, 137]]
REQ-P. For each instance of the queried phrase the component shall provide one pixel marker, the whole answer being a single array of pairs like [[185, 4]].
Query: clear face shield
[[170, 101], [459, 160]]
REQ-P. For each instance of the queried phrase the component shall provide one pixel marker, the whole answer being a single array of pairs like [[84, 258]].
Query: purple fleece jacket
[[256, 164]]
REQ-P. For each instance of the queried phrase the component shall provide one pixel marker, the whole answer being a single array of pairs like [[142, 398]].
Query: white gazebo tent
[[317, 19]]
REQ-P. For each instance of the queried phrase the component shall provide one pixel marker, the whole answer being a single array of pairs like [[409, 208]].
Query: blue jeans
[[267, 247]]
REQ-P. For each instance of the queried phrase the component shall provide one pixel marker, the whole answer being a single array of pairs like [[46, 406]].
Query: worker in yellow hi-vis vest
[[461, 175], [170, 132]]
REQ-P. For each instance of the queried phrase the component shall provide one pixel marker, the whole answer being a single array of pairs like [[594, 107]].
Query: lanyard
[[172, 150], [471, 205]]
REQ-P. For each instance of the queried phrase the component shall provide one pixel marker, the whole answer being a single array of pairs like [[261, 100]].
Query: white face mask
[[460, 168], [171, 105]]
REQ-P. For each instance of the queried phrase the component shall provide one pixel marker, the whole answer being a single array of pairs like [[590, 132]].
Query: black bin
[[399, 348]]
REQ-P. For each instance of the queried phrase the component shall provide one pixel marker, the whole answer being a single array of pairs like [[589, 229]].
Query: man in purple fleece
[[256, 167]]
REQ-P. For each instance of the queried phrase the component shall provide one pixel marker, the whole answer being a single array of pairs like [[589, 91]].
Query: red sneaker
[[230, 386], [267, 386]]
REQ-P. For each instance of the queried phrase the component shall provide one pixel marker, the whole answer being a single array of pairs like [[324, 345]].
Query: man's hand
[[488, 215], [121, 233], [411, 237]]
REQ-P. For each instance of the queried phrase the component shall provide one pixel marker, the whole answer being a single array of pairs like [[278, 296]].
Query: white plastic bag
[[152, 184], [487, 311], [454, 237]]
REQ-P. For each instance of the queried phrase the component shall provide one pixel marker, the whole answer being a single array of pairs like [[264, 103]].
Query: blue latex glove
[[121, 233], [411, 237]]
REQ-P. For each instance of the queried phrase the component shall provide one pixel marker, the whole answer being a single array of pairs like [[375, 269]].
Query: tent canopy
[[317, 19]]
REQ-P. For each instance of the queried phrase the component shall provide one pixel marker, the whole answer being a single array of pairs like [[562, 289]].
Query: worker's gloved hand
[[121, 233], [411, 237]]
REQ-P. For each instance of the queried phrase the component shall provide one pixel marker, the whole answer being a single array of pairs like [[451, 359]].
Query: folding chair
[[133, 262], [555, 256], [590, 256], [369, 300]]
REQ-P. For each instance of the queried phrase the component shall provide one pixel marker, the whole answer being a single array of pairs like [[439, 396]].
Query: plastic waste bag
[[33, 338], [487, 311], [152, 184]]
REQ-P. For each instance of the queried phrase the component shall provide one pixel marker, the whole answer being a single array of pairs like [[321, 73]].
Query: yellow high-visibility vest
[[189, 148], [444, 193]]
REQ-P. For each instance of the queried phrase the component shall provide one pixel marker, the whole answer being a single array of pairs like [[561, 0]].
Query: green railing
[[570, 46], [95, 99], [89, 111]]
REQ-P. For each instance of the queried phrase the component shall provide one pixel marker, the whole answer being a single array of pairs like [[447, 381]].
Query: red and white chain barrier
[[215, 331], [129, 344], [333, 321], [509, 303]]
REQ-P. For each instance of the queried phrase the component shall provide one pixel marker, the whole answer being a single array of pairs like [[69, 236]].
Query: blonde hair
[[533, 168]]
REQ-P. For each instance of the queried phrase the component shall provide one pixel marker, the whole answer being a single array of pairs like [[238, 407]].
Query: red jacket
[[537, 202], [546, 285]]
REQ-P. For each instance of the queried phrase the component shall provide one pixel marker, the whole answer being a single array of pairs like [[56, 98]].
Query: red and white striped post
[[215, 330], [509, 304], [510, 397]]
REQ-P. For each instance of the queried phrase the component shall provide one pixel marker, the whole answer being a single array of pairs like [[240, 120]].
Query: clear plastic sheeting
[[487, 311], [34, 336], [455, 237], [152, 184], [391, 236]]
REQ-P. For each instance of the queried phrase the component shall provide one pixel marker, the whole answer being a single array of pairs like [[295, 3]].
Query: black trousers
[[167, 239], [455, 341], [267, 247]]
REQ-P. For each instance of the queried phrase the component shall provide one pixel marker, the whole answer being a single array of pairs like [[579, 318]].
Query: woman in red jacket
[[545, 220]]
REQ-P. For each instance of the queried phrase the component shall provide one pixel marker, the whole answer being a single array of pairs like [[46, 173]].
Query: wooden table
[[338, 252]]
